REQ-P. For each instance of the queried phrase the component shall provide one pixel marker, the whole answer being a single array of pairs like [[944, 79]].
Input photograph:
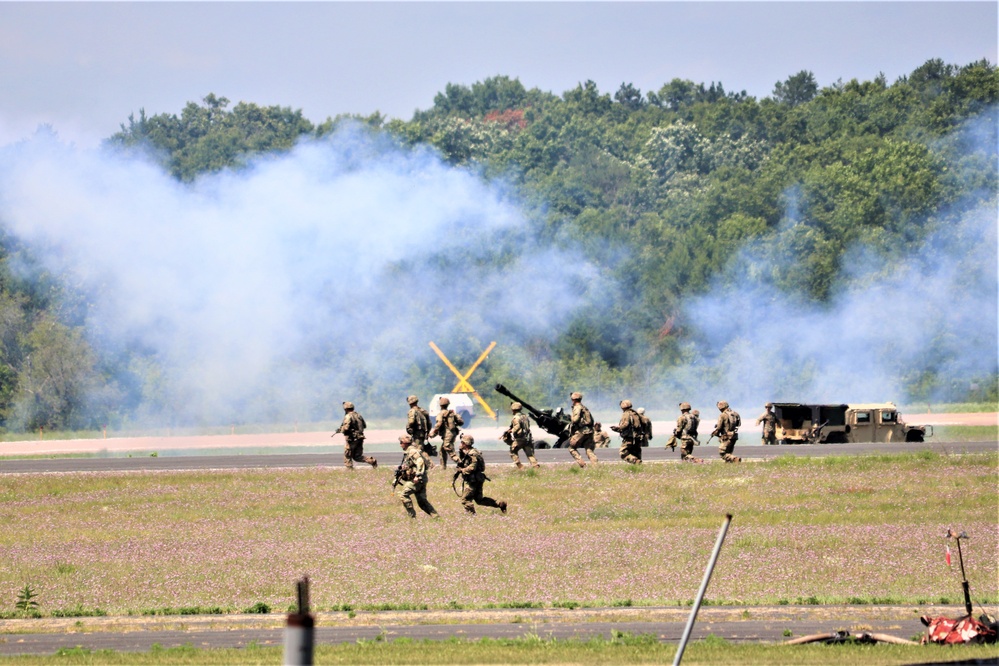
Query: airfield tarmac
[[735, 624]]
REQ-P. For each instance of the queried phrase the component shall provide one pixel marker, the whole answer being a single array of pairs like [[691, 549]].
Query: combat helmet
[[575, 395], [640, 410], [626, 404], [412, 400], [467, 439], [348, 405], [444, 401], [684, 406], [722, 405], [516, 406]]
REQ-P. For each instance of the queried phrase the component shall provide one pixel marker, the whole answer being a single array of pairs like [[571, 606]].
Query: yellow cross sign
[[463, 386]]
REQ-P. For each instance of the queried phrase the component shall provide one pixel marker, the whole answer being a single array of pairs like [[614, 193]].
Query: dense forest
[[662, 190]]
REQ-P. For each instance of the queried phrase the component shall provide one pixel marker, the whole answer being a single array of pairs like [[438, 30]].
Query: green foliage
[[660, 191], [26, 603]]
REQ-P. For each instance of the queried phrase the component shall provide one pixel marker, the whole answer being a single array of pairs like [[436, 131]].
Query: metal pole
[[299, 633], [700, 592]]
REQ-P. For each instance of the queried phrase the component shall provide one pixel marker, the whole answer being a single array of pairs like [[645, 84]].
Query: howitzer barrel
[[505, 391], [553, 423]]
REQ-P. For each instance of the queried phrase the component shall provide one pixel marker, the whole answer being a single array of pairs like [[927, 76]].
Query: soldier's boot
[[409, 509], [470, 510], [502, 506], [371, 461], [534, 461], [592, 456], [519, 465], [516, 461], [632, 460], [575, 456]]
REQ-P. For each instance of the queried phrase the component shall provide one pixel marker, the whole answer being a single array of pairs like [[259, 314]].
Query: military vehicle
[[461, 403], [799, 423]]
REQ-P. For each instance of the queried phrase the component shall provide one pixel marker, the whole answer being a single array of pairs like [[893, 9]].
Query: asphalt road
[[245, 630], [191, 460]]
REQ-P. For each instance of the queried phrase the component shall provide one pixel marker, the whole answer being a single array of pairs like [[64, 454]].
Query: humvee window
[[863, 417], [889, 417]]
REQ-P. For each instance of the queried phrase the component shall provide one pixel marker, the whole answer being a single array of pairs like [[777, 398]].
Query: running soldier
[[629, 428], [411, 479], [646, 433], [686, 433], [448, 423], [769, 421], [581, 430], [519, 438], [727, 432], [601, 439], [417, 425], [472, 468], [352, 427]]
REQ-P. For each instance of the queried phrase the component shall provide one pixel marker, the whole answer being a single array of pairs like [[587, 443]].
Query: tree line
[[680, 178]]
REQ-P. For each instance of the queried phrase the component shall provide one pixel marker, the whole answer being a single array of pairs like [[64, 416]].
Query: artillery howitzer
[[553, 422]]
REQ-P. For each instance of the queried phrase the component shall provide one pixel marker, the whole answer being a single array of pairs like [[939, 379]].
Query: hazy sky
[[84, 66]]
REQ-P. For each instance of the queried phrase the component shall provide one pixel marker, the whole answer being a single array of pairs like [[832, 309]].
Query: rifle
[[399, 470], [553, 422]]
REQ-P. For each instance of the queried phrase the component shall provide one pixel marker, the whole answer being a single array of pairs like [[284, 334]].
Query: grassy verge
[[622, 649], [838, 530], [965, 433]]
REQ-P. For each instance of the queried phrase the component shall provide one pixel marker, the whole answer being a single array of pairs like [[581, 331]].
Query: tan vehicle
[[844, 424]]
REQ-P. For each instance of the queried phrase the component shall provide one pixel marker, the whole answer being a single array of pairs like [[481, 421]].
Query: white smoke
[[934, 310], [324, 270]]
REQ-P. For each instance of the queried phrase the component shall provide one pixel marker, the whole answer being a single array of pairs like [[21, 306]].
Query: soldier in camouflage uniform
[[447, 426], [646, 433], [769, 421], [686, 433], [727, 432], [629, 428], [600, 437], [581, 430], [472, 468], [519, 438], [352, 427], [411, 479], [417, 425]]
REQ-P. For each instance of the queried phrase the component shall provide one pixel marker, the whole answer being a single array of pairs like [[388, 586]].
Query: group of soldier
[[634, 428], [410, 482]]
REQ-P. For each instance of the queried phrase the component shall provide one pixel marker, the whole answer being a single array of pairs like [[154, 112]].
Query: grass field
[[813, 531]]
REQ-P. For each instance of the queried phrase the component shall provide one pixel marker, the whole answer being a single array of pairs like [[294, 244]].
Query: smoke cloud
[[263, 294]]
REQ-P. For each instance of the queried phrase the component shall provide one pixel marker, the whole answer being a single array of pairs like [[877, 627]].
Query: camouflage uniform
[[769, 421], [447, 426], [600, 438], [646, 434], [686, 432], [417, 425], [472, 468], [412, 479], [519, 438], [581, 431], [352, 427], [727, 432], [629, 427]]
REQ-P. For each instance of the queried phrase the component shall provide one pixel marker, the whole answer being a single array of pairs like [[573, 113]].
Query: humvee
[[844, 424]]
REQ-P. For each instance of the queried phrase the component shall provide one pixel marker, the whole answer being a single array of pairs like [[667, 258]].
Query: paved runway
[[191, 460], [763, 625]]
